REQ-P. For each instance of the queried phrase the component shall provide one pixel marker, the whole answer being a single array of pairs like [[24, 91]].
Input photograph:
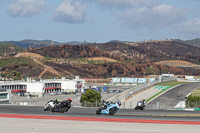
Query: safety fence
[[173, 105], [139, 88], [86, 104]]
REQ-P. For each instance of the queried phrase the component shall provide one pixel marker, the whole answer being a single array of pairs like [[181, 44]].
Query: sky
[[99, 20]]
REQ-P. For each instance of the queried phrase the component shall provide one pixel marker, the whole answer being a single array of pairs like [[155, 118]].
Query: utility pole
[[118, 89]]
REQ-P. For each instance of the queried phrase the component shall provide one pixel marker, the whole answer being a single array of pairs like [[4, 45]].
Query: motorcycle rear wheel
[[46, 109]]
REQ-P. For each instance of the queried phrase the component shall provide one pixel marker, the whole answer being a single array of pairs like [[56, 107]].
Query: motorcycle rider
[[143, 101], [69, 99], [105, 104], [57, 101], [118, 104], [69, 102]]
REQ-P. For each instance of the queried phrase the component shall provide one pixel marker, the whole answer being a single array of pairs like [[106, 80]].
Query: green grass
[[170, 84], [9, 47], [19, 61], [11, 61], [196, 92], [155, 95]]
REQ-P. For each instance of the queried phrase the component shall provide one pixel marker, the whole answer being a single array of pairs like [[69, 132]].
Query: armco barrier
[[175, 105], [139, 88]]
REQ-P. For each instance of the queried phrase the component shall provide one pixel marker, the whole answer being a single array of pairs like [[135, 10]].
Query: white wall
[[68, 85], [189, 77], [35, 87]]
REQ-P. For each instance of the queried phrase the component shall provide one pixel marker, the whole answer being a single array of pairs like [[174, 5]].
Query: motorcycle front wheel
[[98, 112], [142, 108]]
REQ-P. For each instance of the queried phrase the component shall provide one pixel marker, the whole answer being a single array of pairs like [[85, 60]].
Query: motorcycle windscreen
[[139, 104]]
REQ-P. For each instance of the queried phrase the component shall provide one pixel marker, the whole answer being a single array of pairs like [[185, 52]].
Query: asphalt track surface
[[172, 97], [91, 113]]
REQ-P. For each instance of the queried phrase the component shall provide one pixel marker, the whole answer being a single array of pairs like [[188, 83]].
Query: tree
[[90, 97], [114, 72]]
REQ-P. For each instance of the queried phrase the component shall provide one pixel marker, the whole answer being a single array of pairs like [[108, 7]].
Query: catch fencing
[[172, 105]]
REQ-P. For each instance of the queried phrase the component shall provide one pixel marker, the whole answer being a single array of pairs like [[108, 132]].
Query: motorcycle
[[62, 107], [140, 105], [108, 108], [49, 105]]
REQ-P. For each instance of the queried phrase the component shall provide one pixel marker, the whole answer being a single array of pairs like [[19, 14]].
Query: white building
[[43, 86], [4, 97]]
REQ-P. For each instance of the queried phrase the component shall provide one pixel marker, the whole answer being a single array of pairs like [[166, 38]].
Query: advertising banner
[[142, 80], [116, 80], [129, 80], [151, 80]]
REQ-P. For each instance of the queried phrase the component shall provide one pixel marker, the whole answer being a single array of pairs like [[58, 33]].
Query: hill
[[9, 49], [28, 43], [193, 42], [115, 58], [17, 68], [151, 51], [32, 43], [176, 63], [130, 58]]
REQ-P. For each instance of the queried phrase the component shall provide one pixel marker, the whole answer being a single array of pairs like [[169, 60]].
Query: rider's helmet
[[119, 103], [69, 99], [143, 100], [57, 100]]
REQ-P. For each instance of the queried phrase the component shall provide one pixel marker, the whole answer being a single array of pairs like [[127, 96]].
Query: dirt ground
[[176, 63]]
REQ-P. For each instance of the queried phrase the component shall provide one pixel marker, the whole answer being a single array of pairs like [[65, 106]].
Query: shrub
[[91, 98], [193, 101]]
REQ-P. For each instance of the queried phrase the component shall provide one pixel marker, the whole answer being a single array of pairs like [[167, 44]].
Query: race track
[[172, 97], [32, 119], [91, 112]]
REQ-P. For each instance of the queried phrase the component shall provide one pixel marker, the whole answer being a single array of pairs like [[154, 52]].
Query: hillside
[[130, 58], [9, 49], [74, 52], [152, 51], [176, 63], [17, 68], [110, 59], [193, 42]]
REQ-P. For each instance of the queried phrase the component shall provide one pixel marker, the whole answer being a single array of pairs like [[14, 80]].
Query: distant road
[[172, 97]]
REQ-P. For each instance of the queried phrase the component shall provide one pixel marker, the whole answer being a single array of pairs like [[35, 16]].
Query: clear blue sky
[[99, 20]]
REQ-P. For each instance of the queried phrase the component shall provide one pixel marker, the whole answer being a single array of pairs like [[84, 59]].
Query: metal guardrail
[[139, 88], [173, 105]]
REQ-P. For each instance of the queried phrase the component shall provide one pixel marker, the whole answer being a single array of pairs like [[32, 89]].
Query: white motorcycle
[[140, 105], [49, 105]]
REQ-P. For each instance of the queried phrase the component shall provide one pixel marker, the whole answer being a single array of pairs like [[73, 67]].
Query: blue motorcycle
[[109, 108]]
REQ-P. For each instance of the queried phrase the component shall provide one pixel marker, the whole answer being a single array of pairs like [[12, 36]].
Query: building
[[39, 88], [4, 97]]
